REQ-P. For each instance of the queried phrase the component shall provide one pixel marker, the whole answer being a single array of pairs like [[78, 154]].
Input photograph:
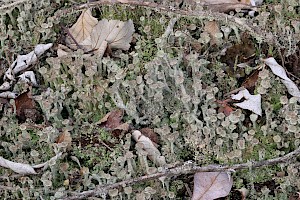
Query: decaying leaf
[[148, 132], [28, 77], [65, 137], [84, 26], [251, 81], [251, 102], [24, 61], [279, 71], [26, 107], [153, 153], [115, 33], [22, 168], [212, 28], [224, 107], [211, 185], [96, 36], [112, 121], [19, 168], [240, 54]]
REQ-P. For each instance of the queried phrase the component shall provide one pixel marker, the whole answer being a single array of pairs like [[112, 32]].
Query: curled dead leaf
[[278, 70], [65, 137], [26, 107], [112, 121], [251, 102], [148, 132]]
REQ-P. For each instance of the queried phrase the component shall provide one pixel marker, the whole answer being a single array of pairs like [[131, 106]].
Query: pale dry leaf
[[28, 77], [153, 153], [24, 61], [65, 137], [117, 34], [251, 102], [61, 53], [211, 185], [84, 26], [19, 168], [5, 86], [8, 94], [279, 71], [212, 28]]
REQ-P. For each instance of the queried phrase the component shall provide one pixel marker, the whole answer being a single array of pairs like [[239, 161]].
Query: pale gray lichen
[[164, 82]]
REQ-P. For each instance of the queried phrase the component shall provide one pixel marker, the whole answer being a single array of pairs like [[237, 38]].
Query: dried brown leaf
[[26, 107], [212, 28], [251, 81], [65, 136], [224, 107], [148, 132], [112, 119]]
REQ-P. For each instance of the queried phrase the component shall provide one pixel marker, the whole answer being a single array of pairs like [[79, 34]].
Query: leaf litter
[[99, 36], [94, 35]]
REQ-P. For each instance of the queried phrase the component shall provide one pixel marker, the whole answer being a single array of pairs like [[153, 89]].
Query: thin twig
[[5, 7], [2, 187], [186, 168], [188, 189], [103, 143]]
